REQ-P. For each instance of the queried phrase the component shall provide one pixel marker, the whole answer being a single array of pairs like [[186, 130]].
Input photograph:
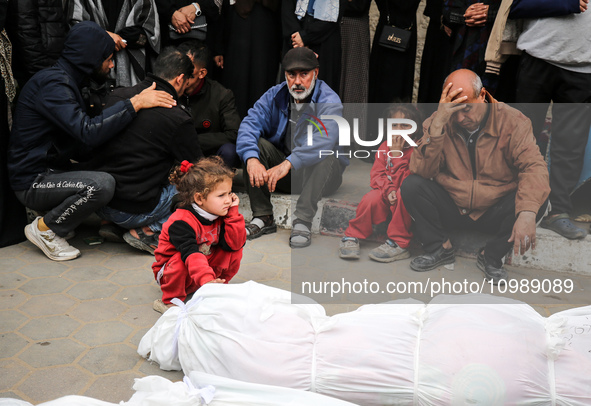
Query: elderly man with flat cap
[[278, 153], [476, 167]]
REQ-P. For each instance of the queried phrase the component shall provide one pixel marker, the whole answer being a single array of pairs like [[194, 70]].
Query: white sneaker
[[53, 246]]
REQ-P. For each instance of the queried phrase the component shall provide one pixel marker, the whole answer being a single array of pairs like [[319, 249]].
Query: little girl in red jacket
[[383, 202], [202, 240]]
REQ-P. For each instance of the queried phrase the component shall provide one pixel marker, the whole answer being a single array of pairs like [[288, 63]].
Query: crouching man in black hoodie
[[51, 128]]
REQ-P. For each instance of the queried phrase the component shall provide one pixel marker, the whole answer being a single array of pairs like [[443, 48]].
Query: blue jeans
[[154, 220]]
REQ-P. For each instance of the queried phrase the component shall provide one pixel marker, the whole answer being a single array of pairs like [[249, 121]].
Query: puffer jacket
[[51, 125], [507, 159], [38, 31]]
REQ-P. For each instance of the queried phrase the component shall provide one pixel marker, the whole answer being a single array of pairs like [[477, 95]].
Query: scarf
[[5, 65], [140, 13], [324, 10]]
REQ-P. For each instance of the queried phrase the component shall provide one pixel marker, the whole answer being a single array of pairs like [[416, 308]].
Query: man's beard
[[99, 76], [306, 92]]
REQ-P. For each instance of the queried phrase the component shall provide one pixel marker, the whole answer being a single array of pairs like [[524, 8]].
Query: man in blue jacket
[[51, 128], [276, 139]]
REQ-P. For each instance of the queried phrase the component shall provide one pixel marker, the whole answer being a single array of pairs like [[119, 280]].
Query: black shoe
[[563, 225], [427, 262], [260, 226], [491, 273]]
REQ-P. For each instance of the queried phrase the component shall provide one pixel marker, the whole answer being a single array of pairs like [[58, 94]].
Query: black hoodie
[[51, 123]]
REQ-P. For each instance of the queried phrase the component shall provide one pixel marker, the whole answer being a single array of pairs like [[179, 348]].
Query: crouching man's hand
[[524, 233], [278, 172], [257, 173]]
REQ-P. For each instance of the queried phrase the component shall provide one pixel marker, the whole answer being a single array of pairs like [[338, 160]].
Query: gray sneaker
[[388, 252], [349, 248], [53, 246]]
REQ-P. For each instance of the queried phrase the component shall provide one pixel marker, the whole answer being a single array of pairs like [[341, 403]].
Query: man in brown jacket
[[476, 167]]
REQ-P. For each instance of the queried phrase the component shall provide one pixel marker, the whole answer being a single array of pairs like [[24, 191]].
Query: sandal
[[563, 225], [300, 237], [144, 242], [257, 228]]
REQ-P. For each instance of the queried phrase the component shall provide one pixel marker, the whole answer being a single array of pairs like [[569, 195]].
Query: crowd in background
[[524, 51]]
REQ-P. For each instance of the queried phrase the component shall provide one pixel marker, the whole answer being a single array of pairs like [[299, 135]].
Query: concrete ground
[[73, 327]]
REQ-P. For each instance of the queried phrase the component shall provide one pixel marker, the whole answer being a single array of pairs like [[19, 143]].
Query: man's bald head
[[470, 83]]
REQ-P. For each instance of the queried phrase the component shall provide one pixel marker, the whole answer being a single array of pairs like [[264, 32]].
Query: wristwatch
[[197, 9]]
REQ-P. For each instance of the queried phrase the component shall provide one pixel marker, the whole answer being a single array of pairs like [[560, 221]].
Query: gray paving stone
[[91, 257], [49, 327], [47, 305], [52, 353], [110, 359], [49, 268], [11, 372], [127, 262], [11, 299], [11, 320], [11, 264], [137, 295], [152, 368], [133, 277], [140, 316], [113, 388], [139, 334], [12, 280], [97, 310], [267, 243], [10, 395], [250, 256], [11, 344], [105, 332], [279, 260], [13, 251], [88, 273], [51, 383], [45, 286], [93, 290], [259, 271]]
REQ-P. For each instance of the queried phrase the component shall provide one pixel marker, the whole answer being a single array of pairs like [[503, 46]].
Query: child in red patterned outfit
[[202, 240], [383, 202]]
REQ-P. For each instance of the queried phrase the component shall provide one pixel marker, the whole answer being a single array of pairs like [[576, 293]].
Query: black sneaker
[[491, 273], [427, 262]]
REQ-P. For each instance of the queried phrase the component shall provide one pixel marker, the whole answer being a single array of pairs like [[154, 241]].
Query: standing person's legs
[[260, 198], [434, 213], [67, 198], [321, 179]]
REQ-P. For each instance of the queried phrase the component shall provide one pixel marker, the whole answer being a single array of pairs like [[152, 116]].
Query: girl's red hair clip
[[185, 166]]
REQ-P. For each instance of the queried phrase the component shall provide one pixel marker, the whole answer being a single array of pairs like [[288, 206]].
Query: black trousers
[[539, 83], [68, 197], [435, 214], [312, 182]]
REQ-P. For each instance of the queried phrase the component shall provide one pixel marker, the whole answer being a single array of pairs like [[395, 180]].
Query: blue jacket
[[268, 118], [543, 8], [51, 125]]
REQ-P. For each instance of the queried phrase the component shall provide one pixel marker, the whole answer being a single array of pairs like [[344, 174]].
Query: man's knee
[[104, 185], [412, 186]]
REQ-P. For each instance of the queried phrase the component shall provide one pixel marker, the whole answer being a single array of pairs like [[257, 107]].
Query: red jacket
[[194, 237], [387, 173]]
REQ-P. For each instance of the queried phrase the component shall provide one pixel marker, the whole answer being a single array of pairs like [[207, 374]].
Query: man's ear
[[202, 73], [180, 79], [482, 95]]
